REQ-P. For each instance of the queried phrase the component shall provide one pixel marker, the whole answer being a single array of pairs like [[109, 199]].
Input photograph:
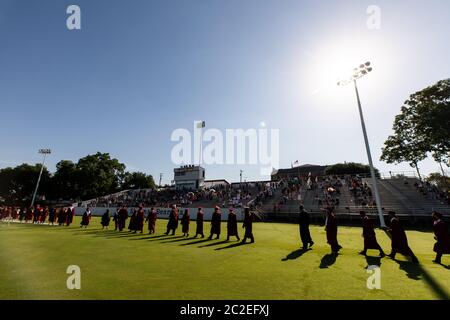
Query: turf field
[[34, 259]]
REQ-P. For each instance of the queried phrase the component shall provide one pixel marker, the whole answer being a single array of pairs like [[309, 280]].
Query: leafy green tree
[[422, 127], [405, 145], [98, 175], [64, 183], [430, 118], [349, 168], [138, 180]]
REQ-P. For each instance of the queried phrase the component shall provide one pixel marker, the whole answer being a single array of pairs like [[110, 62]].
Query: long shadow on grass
[[416, 272], [171, 237], [328, 260], [195, 242], [234, 245], [95, 233], [214, 244], [123, 235], [295, 254], [178, 240]]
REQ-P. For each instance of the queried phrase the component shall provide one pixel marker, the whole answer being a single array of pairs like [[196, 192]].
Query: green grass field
[[34, 259]]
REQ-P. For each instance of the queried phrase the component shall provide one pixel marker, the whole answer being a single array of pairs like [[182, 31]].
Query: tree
[[98, 175], [422, 127], [442, 182], [138, 180], [64, 184], [17, 184], [405, 145], [430, 116], [349, 168]]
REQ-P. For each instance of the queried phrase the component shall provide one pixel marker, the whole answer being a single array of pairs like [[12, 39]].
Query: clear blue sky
[[140, 69]]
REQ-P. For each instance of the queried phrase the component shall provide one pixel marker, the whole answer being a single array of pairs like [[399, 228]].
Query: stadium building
[[189, 177]]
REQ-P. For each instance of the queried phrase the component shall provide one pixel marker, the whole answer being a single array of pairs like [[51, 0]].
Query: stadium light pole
[[359, 72], [200, 125], [45, 152]]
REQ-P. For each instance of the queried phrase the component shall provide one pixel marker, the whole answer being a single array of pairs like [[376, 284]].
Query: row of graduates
[[399, 240], [216, 222], [39, 215], [138, 219]]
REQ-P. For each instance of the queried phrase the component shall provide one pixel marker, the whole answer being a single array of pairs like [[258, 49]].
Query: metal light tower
[[359, 72], [160, 178], [45, 152]]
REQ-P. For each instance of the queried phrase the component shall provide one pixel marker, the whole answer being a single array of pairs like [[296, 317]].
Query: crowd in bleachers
[[361, 192], [223, 195], [430, 190]]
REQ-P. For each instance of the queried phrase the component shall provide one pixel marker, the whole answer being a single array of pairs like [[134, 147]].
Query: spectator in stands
[[185, 220], [399, 239], [305, 235], [199, 223], [441, 235], [216, 221], [370, 238], [232, 228]]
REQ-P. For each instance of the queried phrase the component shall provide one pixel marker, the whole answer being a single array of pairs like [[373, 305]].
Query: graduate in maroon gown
[[140, 217], [305, 234], [86, 218], [37, 214], [172, 224], [370, 238], [62, 216], [106, 218], [132, 223], [442, 245], [123, 216], [52, 216], [232, 228], [69, 216], [248, 225], [331, 229], [199, 223], [215, 223], [44, 214], [399, 239], [151, 219], [29, 215], [185, 219], [116, 220]]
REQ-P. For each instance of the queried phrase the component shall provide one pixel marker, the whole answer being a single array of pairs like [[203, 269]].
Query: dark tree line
[[350, 168], [90, 177]]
